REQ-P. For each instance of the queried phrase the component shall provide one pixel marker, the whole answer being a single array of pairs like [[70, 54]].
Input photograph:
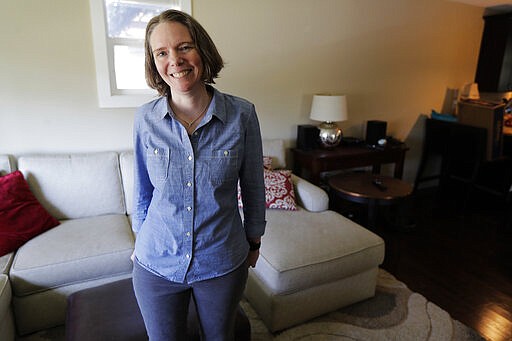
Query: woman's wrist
[[254, 244]]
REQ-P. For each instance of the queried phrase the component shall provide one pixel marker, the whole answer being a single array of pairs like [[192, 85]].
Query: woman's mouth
[[180, 74]]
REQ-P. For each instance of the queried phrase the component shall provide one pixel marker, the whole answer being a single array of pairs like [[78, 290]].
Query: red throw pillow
[[21, 215], [279, 191]]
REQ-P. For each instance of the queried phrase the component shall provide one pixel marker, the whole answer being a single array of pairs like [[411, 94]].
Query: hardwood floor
[[459, 259]]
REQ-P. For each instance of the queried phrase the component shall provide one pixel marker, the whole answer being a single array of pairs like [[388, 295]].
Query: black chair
[[495, 178], [434, 147], [463, 157], [461, 150], [464, 161]]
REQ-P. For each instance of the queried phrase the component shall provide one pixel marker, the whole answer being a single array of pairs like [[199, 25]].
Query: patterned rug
[[395, 313]]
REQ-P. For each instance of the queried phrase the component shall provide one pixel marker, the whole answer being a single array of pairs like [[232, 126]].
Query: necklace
[[189, 124]]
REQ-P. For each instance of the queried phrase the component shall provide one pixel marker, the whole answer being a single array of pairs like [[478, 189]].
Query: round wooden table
[[364, 188]]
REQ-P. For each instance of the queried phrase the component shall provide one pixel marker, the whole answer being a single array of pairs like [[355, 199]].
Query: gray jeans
[[164, 304]]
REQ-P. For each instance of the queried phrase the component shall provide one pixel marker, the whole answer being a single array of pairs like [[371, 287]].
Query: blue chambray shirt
[[186, 215]]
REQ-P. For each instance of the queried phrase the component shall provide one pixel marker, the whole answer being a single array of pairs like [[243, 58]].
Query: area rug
[[395, 313]]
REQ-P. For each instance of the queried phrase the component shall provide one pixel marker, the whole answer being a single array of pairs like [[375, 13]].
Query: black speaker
[[307, 137], [375, 130]]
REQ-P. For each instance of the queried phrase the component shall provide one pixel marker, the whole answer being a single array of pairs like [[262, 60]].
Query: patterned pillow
[[279, 192]]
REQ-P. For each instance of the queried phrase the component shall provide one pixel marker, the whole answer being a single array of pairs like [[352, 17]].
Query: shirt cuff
[[255, 230]]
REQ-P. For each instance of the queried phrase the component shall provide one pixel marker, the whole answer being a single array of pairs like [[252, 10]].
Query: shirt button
[[189, 208], [196, 133], [188, 234], [187, 255], [189, 158], [156, 151], [189, 184], [226, 153]]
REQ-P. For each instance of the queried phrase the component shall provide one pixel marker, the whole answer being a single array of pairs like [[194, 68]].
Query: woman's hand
[[252, 258]]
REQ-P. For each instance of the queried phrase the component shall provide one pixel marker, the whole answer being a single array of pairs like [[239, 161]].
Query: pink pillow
[[21, 215], [279, 193]]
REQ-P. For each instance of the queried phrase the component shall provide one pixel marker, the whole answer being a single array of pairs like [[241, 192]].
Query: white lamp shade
[[329, 108]]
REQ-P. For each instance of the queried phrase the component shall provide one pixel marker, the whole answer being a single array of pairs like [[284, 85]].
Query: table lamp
[[329, 109]]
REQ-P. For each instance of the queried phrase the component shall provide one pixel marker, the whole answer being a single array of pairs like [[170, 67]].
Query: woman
[[192, 146]]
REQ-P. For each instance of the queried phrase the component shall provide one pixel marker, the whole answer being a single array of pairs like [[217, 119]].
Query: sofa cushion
[[283, 311], [21, 215], [85, 185], [323, 247], [77, 250]]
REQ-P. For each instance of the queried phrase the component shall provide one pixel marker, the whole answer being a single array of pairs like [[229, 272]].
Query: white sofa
[[312, 260]]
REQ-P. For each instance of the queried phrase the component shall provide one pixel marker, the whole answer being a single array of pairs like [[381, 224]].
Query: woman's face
[[176, 57]]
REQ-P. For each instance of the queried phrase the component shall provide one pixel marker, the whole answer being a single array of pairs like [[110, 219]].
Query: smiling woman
[[191, 239]]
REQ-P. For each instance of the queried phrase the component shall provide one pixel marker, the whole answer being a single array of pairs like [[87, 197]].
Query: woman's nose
[[175, 58]]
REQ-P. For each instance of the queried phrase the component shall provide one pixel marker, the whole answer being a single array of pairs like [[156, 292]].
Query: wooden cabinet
[[494, 70], [309, 164]]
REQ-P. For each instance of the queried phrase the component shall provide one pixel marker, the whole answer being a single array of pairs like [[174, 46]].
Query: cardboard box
[[487, 115]]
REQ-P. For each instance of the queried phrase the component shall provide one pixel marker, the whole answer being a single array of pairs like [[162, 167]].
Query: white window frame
[[108, 94]]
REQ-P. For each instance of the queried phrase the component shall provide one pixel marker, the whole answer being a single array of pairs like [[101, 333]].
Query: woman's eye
[[186, 48], [160, 54]]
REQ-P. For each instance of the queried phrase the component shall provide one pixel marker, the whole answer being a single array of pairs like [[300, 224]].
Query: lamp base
[[330, 134]]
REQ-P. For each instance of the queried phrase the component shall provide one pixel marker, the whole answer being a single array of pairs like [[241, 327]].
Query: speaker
[[375, 130], [307, 137]]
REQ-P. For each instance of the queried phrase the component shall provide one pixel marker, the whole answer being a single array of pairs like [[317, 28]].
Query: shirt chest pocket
[[158, 160], [224, 166]]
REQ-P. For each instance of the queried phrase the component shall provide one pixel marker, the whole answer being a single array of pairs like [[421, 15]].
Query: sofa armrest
[[5, 263], [309, 196], [7, 332]]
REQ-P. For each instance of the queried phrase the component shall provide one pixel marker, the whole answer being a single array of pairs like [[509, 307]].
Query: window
[[118, 28]]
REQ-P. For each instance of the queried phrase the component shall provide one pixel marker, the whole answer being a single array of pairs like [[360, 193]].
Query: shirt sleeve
[[252, 179], [142, 187]]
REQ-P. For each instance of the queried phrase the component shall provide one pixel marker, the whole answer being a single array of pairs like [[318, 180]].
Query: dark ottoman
[[110, 312]]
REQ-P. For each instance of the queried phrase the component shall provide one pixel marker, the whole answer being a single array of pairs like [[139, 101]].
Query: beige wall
[[393, 59]]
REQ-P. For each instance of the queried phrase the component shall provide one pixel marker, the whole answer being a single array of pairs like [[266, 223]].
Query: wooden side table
[[316, 161], [358, 187]]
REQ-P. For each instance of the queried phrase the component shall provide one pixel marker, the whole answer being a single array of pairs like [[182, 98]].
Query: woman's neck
[[190, 108], [188, 105]]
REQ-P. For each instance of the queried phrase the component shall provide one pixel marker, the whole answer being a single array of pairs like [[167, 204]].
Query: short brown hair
[[212, 61]]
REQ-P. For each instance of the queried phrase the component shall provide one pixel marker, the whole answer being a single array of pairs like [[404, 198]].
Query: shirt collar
[[218, 105], [162, 107]]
